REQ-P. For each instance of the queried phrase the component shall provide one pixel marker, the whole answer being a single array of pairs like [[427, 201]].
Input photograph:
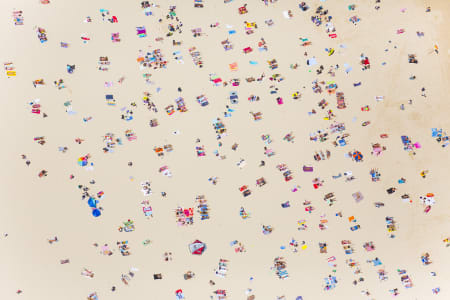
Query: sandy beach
[[78, 147]]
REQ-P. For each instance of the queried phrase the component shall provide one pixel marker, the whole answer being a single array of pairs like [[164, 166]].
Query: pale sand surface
[[35, 209]]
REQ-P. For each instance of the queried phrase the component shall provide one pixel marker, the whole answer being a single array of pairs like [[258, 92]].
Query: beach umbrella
[[82, 161], [357, 156], [96, 213], [92, 202]]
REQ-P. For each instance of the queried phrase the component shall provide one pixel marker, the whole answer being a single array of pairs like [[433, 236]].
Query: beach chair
[[267, 229], [355, 20], [10, 69], [188, 275], [198, 3], [202, 100], [412, 59], [153, 123], [245, 191], [307, 169], [227, 45], [282, 167], [262, 45], [42, 35], [285, 204], [273, 64], [221, 273], [303, 6], [382, 275], [406, 281], [18, 18], [203, 210], [288, 14], [200, 151], [196, 58], [244, 215], [348, 250], [170, 110], [196, 32], [266, 138], [356, 227], [181, 106], [233, 97], [260, 182], [38, 82], [130, 135], [340, 100], [110, 100], [145, 5], [358, 197], [269, 152], [235, 81], [256, 116], [128, 226], [165, 171], [103, 63], [283, 274], [159, 151], [323, 247]]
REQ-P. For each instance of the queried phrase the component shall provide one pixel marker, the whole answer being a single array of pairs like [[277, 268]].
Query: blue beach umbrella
[[92, 202], [96, 213]]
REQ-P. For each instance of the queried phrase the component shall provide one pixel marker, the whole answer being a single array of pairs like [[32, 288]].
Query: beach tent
[[92, 296], [311, 62], [197, 247], [179, 294]]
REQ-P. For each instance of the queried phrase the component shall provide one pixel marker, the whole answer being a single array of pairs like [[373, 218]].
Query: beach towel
[[233, 66]]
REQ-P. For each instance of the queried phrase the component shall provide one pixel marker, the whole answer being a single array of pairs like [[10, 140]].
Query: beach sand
[[36, 209]]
